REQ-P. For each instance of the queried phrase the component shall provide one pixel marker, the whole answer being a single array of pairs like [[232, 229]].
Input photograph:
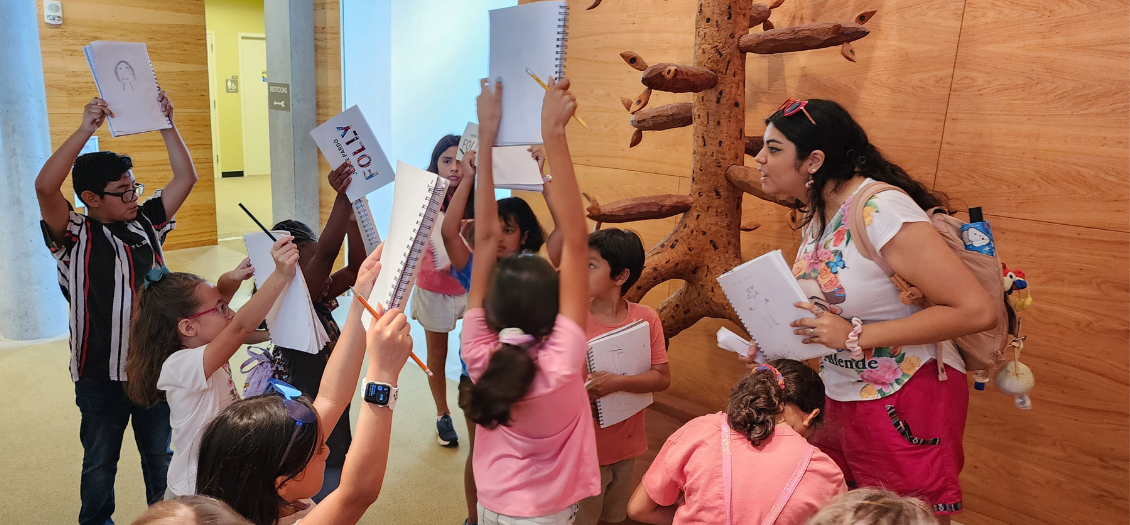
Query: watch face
[[378, 393]]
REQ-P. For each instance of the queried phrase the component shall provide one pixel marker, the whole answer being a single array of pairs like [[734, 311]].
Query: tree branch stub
[[671, 116], [748, 180], [801, 38], [639, 208], [676, 78]]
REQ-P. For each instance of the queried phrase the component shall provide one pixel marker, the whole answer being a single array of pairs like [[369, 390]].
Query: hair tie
[[515, 337], [155, 275], [780, 378]]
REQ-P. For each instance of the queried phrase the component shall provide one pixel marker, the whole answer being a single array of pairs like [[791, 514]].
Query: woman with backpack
[[896, 398]]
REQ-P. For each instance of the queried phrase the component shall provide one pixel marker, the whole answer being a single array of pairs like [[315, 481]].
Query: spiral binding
[[424, 226], [562, 37], [592, 368]]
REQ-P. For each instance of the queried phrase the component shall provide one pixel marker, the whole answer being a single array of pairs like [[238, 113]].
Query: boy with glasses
[[103, 257]]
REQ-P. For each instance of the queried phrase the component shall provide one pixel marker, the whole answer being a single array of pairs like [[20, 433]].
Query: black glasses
[[129, 195], [300, 413]]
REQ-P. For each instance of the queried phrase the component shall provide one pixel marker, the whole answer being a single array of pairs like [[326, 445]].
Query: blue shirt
[[464, 275]]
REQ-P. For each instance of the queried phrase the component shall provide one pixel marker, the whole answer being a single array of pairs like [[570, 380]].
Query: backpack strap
[[790, 487], [858, 227], [727, 475]]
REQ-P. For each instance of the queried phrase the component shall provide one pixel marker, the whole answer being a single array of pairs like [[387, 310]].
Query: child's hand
[[94, 114], [467, 165], [242, 272], [285, 254], [558, 106], [367, 274], [389, 341], [341, 177], [750, 358], [489, 105], [538, 155], [600, 384], [166, 105]]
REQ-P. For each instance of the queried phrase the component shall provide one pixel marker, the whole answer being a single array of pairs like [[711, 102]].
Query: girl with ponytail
[[751, 464], [534, 455]]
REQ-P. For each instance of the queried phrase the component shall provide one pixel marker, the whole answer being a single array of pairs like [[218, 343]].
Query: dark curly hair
[[757, 399]]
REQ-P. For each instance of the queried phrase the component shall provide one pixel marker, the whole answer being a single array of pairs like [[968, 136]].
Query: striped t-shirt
[[101, 270]]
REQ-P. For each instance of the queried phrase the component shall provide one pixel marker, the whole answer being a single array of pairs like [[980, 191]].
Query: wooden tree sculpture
[[706, 242]]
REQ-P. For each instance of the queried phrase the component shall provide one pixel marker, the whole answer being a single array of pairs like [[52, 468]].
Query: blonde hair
[[873, 506], [190, 510]]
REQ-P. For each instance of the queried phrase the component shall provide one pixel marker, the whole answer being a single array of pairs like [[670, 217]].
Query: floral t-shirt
[[833, 273]]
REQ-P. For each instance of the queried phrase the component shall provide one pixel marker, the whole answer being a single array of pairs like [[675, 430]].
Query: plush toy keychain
[[1015, 378], [1014, 281]]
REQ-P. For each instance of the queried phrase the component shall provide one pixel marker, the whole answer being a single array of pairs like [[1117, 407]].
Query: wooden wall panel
[[175, 33], [327, 64], [1039, 121]]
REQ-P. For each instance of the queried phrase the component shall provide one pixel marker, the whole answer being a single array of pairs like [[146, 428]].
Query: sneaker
[[446, 431]]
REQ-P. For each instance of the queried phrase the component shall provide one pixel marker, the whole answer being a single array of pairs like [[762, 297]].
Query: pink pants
[[908, 442]]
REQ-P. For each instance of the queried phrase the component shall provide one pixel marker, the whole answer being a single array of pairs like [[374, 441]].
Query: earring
[[809, 183]]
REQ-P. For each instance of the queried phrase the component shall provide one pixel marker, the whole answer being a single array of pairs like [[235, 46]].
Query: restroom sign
[[278, 96]]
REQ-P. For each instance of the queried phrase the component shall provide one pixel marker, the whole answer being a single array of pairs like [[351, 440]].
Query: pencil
[[377, 316], [264, 228], [545, 87]]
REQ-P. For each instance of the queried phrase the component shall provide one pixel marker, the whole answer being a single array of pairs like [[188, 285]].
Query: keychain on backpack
[[1015, 378]]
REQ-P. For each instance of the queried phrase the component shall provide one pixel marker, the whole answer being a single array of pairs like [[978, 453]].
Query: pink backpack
[[982, 350]]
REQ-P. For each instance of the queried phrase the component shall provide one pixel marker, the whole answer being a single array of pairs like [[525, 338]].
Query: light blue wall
[[413, 66]]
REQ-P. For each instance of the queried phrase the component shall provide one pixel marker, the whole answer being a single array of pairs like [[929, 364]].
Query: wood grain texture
[[327, 66], [174, 32]]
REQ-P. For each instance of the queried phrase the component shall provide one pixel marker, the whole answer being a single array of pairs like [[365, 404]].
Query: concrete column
[[294, 156], [31, 306]]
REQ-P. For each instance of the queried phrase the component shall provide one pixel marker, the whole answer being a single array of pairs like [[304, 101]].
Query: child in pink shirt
[[750, 465], [616, 259], [534, 451]]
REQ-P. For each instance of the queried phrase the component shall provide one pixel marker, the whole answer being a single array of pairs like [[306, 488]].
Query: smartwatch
[[380, 394]]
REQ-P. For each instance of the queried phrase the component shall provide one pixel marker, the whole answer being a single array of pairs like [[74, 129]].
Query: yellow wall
[[228, 18]]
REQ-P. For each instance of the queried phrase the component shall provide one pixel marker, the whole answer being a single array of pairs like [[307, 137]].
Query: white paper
[[347, 136], [728, 340], [435, 240], [524, 37], [468, 141], [626, 351], [514, 168], [762, 292], [125, 79], [417, 195], [292, 321]]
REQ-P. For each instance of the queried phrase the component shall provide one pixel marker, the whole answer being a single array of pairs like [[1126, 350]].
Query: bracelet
[[853, 339]]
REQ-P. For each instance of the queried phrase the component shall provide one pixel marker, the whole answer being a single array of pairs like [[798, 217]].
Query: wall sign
[[278, 96], [231, 84]]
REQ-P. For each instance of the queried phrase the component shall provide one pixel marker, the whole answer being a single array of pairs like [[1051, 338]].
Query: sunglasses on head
[[792, 106], [299, 412]]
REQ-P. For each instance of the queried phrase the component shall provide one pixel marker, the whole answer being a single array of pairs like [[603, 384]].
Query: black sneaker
[[446, 431]]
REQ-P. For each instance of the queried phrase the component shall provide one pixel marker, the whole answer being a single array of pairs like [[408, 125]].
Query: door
[[253, 97], [214, 116]]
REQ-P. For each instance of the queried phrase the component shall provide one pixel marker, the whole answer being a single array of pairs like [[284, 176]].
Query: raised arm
[[53, 206], [248, 318], [341, 280], [554, 241], [488, 229], [228, 283], [389, 344], [557, 109], [457, 250], [339, 381], [318, 269], [184, 173]]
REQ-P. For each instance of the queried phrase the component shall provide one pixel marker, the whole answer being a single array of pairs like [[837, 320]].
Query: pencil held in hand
[[378, 316], [545, 87]]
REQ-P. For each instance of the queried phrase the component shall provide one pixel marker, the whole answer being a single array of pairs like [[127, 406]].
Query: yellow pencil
[[545, 87], [377, 316]]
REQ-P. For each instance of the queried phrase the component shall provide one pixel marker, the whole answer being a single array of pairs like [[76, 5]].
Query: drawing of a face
[[124, 72]]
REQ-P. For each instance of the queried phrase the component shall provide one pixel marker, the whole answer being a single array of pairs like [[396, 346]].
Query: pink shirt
[[627, 439], [437, 281], [690, 465], [545, 460]]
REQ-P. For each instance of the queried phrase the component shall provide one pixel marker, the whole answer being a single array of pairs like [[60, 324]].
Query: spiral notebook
[[416, 199], [624, 351], [529, 36], [292, 320], [125, 79], [762, 292], [369, 234]]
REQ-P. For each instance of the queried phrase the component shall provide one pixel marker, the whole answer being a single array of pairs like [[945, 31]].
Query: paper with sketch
[[762, 292], [125, 79], [292, 321], [624, 351], [728, 340], [529, 36], [468, 141], [515, 169], [347, 136]]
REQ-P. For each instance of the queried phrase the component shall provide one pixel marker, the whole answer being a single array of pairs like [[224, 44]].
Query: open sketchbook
[[347, 136], [624, 351], [416, 199], [762, 292], [125, 79], [515, 169], [529, 36], [292, 320]]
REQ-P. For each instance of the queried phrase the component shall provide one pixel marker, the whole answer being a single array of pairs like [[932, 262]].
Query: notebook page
[[625, 352], [291, 320], [347, 136], [521, 37], [515, 169], [125, 79]]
